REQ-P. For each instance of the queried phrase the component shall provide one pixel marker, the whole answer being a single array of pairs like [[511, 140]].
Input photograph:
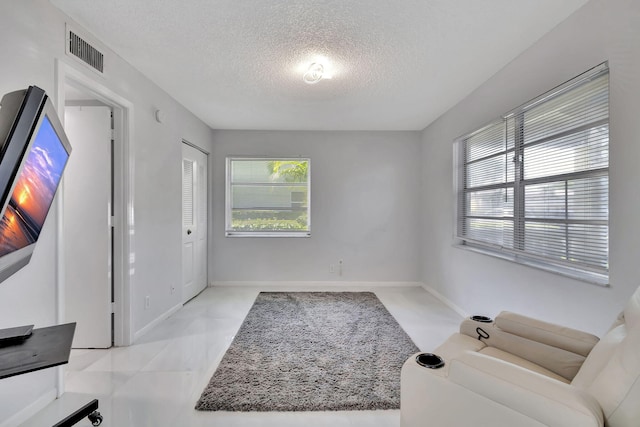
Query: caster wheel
[[95, 418]]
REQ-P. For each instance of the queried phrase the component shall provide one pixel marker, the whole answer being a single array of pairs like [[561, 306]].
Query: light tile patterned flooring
[[157, 381]]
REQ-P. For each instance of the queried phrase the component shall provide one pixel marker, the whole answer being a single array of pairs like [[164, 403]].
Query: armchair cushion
[[539, 342], [519, 361], [475, 389], [599, 357], [617, 385], [537, 396], [547, 333]]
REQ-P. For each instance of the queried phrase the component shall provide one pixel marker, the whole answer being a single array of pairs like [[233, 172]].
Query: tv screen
[[34, 190], [34, 155]]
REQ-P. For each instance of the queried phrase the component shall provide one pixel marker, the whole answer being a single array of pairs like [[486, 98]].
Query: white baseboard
[[36, 406], [154, 322], [314, 285], [445, 300], [331, 286]]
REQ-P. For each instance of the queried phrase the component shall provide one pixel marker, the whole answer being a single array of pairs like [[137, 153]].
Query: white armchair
[[518, 371]]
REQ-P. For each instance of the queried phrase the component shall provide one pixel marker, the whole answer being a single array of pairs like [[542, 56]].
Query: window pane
[[589, 244], [545, 200], [486, 142], [582, 151], [578, 107], [269, 171], [544, 239], [268, 220], [497, 232], [248, 196], [498, 202], [589, 198], [495, 170], [268, 195]]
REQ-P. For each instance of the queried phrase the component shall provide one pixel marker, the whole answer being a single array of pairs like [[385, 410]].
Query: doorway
[[194, 220], [75, 89]]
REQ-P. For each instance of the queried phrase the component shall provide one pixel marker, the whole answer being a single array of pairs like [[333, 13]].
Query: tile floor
[[157, 381]]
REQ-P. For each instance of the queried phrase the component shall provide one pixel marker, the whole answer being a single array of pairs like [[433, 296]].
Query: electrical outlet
[[173, 289], [332, 268], [147, 302]]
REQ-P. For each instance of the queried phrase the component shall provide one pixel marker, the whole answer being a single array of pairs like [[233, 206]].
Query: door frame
[[123, 188], [208, 204]]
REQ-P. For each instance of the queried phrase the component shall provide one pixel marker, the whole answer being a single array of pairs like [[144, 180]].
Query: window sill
[[581, 275], [267, 234]]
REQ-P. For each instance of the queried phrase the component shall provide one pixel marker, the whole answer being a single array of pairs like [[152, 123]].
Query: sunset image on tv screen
[[34, 190]]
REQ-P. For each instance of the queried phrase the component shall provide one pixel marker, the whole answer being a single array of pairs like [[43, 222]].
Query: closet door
[[194, 221]]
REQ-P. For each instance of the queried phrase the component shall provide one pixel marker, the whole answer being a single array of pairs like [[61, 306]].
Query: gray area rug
[[311, 351]]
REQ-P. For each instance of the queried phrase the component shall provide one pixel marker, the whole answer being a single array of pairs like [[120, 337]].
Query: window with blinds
[[268, 197], [533, 186]]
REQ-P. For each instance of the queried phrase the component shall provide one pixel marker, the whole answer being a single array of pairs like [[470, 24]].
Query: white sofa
[[518, 372]]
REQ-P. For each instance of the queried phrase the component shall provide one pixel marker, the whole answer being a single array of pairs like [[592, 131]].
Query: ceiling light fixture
[[314, 73]]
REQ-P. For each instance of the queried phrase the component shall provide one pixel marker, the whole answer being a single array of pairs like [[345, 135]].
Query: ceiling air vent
[[79, 48]]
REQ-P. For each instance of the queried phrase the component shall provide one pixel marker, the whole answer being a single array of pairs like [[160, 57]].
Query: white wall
[[365, 194], [601, 30], [31, 39]]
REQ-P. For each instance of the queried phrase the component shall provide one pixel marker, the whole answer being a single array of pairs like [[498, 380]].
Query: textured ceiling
[[395, 65]]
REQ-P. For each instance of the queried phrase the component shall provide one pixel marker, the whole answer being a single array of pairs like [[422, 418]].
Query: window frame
[[229, 232], [518, 253]]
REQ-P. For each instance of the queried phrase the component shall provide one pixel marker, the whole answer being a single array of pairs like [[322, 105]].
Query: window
[[533, 186], [268, 197]]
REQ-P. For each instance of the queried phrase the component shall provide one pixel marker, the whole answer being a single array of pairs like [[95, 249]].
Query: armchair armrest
[[536, 396]]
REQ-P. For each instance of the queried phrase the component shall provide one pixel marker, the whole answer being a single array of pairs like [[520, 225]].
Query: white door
[[194, 222], [87, 230]]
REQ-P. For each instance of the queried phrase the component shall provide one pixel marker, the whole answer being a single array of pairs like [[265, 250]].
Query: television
[[33, 155]]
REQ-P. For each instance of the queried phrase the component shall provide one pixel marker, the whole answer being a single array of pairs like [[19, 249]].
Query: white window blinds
[[535, 182]]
